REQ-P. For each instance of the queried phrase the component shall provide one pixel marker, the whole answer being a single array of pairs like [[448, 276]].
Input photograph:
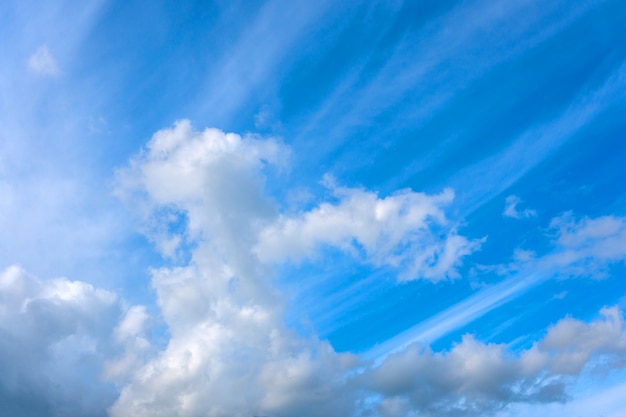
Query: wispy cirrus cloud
[[511, 209], [428, 67], [482, 181], [583, 247]]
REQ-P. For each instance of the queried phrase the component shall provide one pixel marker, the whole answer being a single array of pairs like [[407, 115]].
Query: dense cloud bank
[[63, 339]]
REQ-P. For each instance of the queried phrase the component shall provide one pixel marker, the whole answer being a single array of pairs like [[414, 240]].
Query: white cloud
[[190, 185], [570, 344], [581, 247], [238, 359], [228, 357], [406, 230], [602, 237], [230, 353], [42, 62], [55, 337], [511, 209]]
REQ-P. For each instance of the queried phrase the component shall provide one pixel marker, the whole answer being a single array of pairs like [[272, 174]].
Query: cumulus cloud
[[55, 337], [193, 185], [475, 378], [224, 317], [511, 209], [43, 63], [230, 353], [406, 230], [61, 339]]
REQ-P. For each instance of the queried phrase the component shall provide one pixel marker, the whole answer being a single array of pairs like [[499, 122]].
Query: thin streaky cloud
[[431, 50], [475, 185], [456, 316], [256, 56], [479, 183]]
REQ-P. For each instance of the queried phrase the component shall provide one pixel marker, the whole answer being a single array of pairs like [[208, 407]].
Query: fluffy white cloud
[[229, 354], [230, 358], [199, 185], [234, 359], [55, 337], [406, 230], [511, 209], [42, 62], [570, 345], [474, 378]]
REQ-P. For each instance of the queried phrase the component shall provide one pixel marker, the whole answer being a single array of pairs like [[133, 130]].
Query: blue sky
[[283, 208]]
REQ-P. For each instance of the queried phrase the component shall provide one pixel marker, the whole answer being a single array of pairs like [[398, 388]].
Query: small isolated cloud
[[511, 209], [43, 63]]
